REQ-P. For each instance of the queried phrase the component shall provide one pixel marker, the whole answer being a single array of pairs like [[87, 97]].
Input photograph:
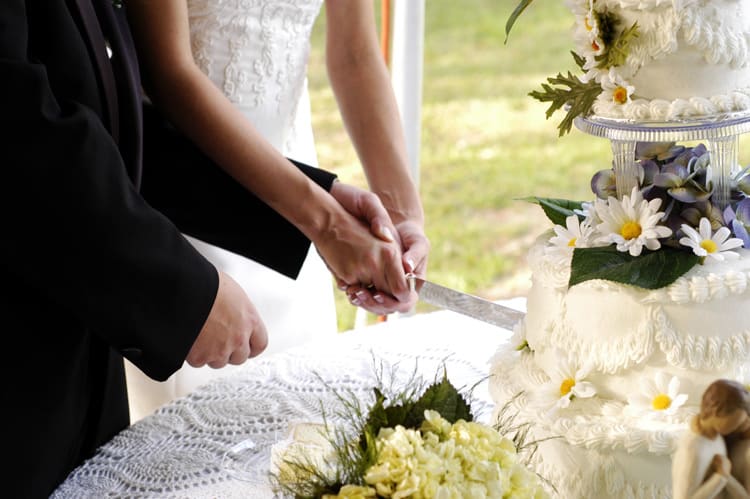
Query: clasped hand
[[371, 256], [368, 255]]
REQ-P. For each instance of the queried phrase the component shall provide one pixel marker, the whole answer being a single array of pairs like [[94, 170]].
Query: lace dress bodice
[[256, 52]]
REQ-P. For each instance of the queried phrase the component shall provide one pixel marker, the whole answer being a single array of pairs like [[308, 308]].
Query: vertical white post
[[406, 73]]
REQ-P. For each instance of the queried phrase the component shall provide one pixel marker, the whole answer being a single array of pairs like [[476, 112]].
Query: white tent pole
[[406, 73]]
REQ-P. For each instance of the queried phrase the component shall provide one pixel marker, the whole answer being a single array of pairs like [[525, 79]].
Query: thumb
[[382, 230]]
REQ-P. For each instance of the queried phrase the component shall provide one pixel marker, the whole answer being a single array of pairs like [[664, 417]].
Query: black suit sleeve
[[205, 202], [74, 228]]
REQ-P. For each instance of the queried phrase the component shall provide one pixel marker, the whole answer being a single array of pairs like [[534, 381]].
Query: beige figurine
[[739, 455], [701, 468]]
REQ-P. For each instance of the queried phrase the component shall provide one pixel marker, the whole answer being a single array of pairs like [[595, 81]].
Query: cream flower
[[444, 460], [352, 492], [575, 234], [659, 396], [615, 88], [717, 246], [567, 380], [631, 223]]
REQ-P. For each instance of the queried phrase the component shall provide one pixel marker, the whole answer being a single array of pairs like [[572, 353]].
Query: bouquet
[[666, 226], [418, 443]]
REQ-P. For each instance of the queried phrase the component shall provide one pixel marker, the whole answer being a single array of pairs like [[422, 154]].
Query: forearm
[[363, 92], [204, 114], [218, 128], [369, 112]]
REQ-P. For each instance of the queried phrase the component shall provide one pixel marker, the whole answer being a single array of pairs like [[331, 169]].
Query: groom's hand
[[233, 331]]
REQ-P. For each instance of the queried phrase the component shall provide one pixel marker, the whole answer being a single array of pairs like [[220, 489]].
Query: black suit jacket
[[90, 271]]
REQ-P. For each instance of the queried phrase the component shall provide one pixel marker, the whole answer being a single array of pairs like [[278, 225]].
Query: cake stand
[[720, 133]]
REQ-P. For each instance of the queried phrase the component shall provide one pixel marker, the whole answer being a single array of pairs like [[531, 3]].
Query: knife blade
[[464, 303]]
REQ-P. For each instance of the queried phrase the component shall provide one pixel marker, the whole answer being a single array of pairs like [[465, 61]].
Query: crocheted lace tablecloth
[[181, 451]]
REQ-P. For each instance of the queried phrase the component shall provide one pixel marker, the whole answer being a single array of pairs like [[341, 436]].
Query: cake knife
[[466, 304]]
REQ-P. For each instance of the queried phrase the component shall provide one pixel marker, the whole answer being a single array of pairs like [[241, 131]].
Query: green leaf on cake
[[568, 90], [557, 210], [514, 15], [617, 52], [650, 270]]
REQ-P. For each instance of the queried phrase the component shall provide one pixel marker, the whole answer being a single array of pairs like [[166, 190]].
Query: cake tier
[[697, 329], [690, 58], [590, 449], [621, 340]]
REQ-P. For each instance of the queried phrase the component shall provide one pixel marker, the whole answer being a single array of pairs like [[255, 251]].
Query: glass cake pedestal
[[720, 133]]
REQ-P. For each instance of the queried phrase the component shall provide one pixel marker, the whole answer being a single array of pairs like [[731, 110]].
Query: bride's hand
[[365, 206], [415, 247], [382, 296]]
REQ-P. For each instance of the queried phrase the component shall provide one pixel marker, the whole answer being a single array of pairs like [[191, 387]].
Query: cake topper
[[701, 466]]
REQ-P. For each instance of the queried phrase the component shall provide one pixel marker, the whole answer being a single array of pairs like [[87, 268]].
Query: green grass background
[[485, 142]]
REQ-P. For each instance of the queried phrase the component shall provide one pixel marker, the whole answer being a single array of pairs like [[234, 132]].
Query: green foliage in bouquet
[[374, 443], [441, 397], [355, 456]]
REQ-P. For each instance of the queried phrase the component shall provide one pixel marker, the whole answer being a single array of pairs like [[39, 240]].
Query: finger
[[217, 364], [240, 355], [359, 296], [415, 255], [341, 284], [375, 214], [259, 339], [387, 304], [395, 277], [382, 230], [374, 301], [238, 358]]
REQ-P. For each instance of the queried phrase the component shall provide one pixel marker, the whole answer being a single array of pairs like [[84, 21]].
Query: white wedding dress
[[256, 52]]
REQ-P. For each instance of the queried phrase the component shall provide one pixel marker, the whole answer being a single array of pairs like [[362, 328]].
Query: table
[[181, 450]]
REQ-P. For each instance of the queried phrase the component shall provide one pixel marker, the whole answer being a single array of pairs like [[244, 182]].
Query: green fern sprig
[[353, 443], [570, 90]]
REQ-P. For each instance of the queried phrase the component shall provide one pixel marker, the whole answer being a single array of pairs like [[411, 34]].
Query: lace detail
[[177, 452], [256, 52]]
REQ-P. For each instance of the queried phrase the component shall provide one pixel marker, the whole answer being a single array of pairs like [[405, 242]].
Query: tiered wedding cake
[[641, 298]]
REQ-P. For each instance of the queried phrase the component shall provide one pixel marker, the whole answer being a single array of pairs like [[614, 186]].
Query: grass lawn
[[485, 142]]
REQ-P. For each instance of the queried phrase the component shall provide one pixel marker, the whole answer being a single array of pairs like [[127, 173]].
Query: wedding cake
[[640, 298]]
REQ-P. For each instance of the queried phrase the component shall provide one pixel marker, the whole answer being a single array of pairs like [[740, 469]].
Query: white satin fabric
[[256, 51]]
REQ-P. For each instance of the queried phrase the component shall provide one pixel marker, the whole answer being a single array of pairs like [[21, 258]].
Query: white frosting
[[697, 329], [683, 45]]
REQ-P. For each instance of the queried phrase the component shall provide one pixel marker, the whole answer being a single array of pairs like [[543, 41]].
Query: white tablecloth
[[181, 450]]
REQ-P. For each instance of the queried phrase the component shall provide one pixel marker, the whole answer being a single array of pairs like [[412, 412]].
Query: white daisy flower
[[567, 380], [717, 246], [575, 234], [631, 223], [588, 212], [659, 396], [615, 88]]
